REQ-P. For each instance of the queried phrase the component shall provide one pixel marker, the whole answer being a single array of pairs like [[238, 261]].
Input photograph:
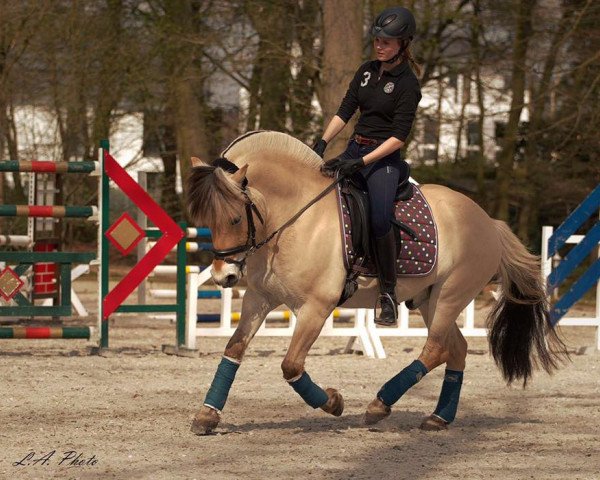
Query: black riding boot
[[385, 259]]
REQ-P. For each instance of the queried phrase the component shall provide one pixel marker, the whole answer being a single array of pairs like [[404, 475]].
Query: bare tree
[[517, 87], [19, 23], [306, 31], [271, 77], [171, 87], [476, 63], [540, 89], [342, 54]]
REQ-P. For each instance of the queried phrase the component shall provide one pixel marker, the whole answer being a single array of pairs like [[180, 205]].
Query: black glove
[[319, 147], [346, 166]]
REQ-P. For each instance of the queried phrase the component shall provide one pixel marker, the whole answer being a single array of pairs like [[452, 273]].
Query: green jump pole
[[51, 211], [181, 293], [104, 204], [45, 332], [48, 167]]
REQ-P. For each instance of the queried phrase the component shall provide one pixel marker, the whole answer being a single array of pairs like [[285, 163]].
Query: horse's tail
[[521, 335]]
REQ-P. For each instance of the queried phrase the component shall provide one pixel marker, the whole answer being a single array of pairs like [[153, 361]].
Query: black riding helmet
[[395, 22]]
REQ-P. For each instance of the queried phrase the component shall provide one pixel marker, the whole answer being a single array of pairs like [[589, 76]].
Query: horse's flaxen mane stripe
[[268, 141], [241, 137]]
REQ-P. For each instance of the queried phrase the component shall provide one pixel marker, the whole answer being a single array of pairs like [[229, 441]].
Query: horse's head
[[219, 199]]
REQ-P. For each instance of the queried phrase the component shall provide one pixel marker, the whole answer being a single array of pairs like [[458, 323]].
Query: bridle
[[250, 247]]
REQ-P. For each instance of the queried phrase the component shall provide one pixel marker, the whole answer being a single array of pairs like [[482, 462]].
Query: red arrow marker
[[172, 233]]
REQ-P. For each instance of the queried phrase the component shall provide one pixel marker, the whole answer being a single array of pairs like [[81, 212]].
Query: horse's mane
[[214, 199], [274, 142]]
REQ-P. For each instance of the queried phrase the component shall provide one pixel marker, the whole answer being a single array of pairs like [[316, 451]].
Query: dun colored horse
[[266, 179]]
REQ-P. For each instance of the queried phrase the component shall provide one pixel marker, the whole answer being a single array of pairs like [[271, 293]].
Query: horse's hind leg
[[442, 345], [447, 405], [254, 310], [310, 322]]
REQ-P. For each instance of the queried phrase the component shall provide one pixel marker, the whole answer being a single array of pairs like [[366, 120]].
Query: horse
[[274, 218]]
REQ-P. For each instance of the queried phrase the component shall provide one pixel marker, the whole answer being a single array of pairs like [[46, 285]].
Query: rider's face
[[385, 48]]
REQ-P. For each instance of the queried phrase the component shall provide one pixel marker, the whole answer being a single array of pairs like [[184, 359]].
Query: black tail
[[521, 336]]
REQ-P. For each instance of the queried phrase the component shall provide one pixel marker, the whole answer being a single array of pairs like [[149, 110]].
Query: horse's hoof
[[376, 411], [335, 403], [433, 423], [205, 421]]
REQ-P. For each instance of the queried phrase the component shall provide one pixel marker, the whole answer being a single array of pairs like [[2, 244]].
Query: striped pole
[[277, 315], [15, 240], [45, 332], [172, 269], [189, 246], [49, 167], [202, 294], [197, 247], [47, 211], [197, 232]]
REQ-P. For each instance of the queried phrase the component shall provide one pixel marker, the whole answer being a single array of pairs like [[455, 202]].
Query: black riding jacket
[[387, 104]]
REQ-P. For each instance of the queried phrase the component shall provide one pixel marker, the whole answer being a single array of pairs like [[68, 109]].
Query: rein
[[250, 247], [301, 211]]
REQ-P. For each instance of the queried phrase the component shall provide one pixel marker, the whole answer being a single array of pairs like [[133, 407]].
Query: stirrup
[[379, 320]]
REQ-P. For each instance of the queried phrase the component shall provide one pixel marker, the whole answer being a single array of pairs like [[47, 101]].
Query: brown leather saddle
[[416, 232]]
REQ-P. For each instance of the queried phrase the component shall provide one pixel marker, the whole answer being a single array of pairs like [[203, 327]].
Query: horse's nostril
[[230, 280]]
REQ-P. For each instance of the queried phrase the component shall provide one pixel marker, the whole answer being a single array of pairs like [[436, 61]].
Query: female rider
[[387, 93]]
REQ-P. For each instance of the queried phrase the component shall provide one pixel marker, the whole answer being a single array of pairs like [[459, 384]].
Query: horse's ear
[[196, 162], [238, 177]]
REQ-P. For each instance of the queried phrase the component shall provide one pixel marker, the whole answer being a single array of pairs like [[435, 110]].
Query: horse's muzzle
[[225, 275]]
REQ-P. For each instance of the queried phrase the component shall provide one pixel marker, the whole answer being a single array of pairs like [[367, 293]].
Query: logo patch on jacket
[[389, 87]]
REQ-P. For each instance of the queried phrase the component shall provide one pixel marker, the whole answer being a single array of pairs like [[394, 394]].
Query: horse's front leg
[[311, 318], [255, 308]]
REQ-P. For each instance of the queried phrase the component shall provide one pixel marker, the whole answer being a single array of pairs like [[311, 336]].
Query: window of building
[[499, 131], [430, 130], [452, 79], [472, 133], [151, 141], [428, 155], [466, 88]]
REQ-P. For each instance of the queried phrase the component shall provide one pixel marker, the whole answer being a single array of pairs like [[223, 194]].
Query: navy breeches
[[382, 179]]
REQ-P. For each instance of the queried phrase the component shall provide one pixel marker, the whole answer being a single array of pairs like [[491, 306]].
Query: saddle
[[413, 223]]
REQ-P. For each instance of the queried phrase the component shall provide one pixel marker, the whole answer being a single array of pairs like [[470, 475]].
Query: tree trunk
[[342, 55], [459, 133], [476, 62], [438, 120], [540, 96], [169, 199], [253, 93], [272, 22], [303, 85], [190, 119], [186, 86], [481, 157], [505, 172]]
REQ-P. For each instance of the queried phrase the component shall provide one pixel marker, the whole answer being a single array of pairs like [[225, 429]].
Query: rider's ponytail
[[407, 54]]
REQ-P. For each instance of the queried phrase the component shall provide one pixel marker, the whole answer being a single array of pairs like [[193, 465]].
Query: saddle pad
[[415, 258]]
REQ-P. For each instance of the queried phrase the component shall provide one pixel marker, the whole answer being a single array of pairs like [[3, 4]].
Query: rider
[[387, 92]]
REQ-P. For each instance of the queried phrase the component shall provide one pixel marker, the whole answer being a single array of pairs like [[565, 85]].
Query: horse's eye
[[236, 221]]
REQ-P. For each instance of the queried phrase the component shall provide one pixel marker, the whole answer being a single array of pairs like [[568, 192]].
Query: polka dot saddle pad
[[416, 256]]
